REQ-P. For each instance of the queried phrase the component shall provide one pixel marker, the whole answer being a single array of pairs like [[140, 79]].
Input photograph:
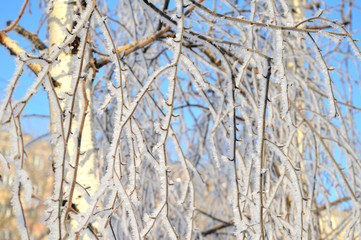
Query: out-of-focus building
[[38, 166], [332, 224]]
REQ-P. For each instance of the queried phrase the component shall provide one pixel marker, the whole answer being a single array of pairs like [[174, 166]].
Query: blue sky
[[38, 103]]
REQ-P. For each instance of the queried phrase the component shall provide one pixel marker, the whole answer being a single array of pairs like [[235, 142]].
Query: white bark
[[65, 74]]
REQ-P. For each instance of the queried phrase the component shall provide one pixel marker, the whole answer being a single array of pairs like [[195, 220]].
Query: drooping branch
[[261, 24], [131, 47]]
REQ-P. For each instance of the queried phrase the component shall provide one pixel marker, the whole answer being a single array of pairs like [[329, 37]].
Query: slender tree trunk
[[298, 15]]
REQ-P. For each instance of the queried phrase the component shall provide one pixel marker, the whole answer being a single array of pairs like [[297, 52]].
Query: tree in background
[[188, 119]]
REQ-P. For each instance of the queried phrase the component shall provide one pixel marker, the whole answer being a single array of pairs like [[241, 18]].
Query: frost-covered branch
[[189, 119]]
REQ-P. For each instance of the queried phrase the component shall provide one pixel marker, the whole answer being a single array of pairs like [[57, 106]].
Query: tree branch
[[15, 49], [131, 47], [32, 37]]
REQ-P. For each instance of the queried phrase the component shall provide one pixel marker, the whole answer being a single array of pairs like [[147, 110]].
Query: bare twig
[[18, 18], [214, 229]]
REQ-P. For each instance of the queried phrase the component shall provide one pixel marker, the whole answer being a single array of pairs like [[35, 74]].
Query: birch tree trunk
[[77, 163]]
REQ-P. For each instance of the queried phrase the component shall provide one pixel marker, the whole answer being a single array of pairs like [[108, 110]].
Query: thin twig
[[217, 228], [18, 18], [262, 164]]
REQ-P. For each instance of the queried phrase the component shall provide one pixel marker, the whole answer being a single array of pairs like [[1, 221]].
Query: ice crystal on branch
[[187, 119]]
